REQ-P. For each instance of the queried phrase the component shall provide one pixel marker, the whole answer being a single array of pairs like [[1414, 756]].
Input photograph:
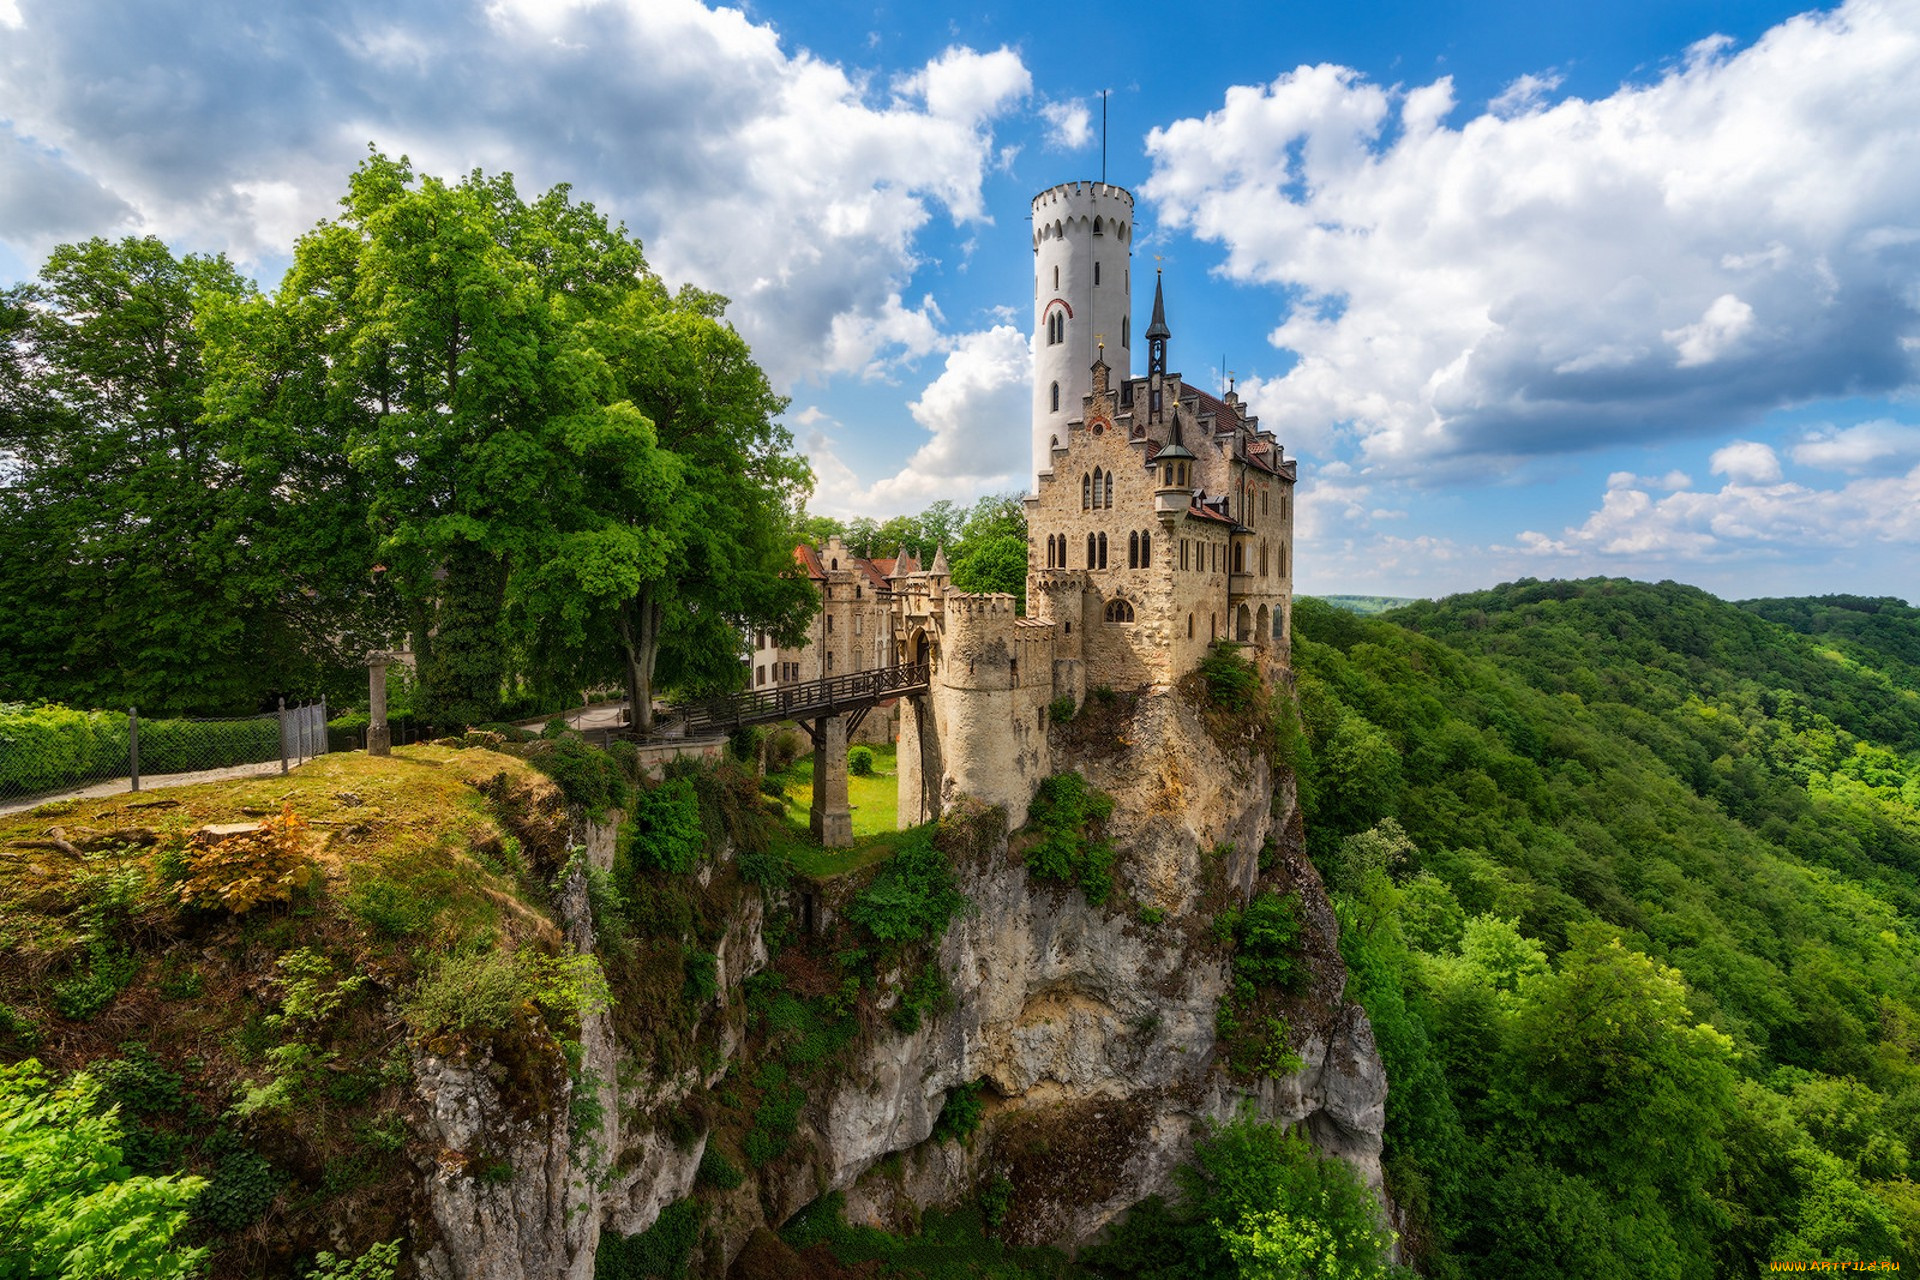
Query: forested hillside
[[1628, 877]]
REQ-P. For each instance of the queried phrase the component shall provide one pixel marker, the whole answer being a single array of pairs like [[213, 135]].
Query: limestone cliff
[[1090, 1029]]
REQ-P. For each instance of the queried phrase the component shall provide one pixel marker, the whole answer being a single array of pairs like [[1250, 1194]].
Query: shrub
[[240, 872], [783, 750], [1267, 939], [468, 994], [46, 747], [914, 897], [587, 775], [667, 833], [1070, 818], [1061, 710], [1232, 682], [960, 1114], [244, 1184], [717, 1171], [662, 1250], [180, 746], [67, 1205], [860, 762]]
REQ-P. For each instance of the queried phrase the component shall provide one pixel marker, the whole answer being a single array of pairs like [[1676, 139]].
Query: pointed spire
[[1158, 329], [940, 561]]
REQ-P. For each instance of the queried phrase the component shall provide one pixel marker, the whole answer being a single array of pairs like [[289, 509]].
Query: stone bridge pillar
[[830, 818]]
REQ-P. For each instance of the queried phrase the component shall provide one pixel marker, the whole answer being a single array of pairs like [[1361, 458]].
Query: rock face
[[1090, 1029]]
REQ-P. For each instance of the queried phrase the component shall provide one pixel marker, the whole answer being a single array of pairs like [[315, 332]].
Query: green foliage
[[244, 1183], [1233, 684], [717, 1171], [1257, 1201], [107, 970], [913, 898], [925, 994], [589, 776], [947, 1246], [776, 1119], [379, 1262], [666, 826], [996, 1200], [1641, 957], [68, 1207], [121, 558], [662, 1251], [480, 995], [1266, 940], [1061, 710], [860, 761], [1070, 818], [960, 1114]]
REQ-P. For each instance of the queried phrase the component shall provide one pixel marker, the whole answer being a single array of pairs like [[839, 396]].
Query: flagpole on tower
[[1103, 137]]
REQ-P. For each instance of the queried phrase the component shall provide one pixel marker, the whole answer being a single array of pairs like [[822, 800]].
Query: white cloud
[[1748, 518], [1525, 94], [10, 14], [977, 412], [1069, 124], [1677, 257], [1715, 334], [792, 185], [1882, 445], [1745, 462]]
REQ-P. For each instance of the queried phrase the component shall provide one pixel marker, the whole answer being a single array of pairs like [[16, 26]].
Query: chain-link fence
[[48, 751]]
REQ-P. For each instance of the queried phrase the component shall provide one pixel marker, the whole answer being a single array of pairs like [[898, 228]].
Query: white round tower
[[1082, 296]]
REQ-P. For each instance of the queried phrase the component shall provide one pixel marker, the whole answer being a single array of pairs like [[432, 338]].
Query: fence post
[[283, 735], [133, 745]]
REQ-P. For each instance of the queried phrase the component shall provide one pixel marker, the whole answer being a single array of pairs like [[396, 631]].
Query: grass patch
[[875, 800]]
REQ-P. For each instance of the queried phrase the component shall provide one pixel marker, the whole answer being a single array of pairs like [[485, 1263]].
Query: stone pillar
[[830, 818], [379, 736]]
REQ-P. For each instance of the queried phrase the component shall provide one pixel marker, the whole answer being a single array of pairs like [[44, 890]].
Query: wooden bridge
[[829, 709], [852, 695]]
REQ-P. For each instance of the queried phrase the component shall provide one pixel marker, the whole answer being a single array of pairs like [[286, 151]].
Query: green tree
[[69, 1207], [139, 551]]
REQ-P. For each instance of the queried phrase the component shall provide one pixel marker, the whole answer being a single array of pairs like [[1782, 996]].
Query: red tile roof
[[809, 559]]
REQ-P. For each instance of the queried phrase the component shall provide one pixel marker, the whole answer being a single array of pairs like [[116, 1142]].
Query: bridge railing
[[828, 695]]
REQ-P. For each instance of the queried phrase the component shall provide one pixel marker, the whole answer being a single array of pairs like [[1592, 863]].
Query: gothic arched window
[[1119, 611], [1146, 550], [1133, 550], [1056, 397], [1099, 486], [1103, 551], [1086, 491], [1090, 550]]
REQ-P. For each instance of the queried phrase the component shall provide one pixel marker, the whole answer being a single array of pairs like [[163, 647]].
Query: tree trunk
[[640, 621]]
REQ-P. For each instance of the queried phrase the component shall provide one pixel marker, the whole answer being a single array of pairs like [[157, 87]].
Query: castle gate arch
[[1243, 624]]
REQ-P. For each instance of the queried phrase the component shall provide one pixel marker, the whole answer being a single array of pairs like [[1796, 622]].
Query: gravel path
[[155, 782]]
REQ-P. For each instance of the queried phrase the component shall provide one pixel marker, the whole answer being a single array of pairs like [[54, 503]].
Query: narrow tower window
[[1056, 277], [1096, 275], [1056, 397], [1103, 551], [1086, 491], [1146, 550], [1126, 332], [1133, 550], [1090, 550]]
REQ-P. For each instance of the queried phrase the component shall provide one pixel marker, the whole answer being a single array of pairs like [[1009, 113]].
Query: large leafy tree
[[127, 558], [569, 471], [728, 540]]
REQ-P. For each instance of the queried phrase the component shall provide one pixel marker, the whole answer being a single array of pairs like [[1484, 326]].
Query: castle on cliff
[[1161, 521]]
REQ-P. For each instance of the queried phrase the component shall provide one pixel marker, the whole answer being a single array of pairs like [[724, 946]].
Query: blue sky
[[1530, 289]]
